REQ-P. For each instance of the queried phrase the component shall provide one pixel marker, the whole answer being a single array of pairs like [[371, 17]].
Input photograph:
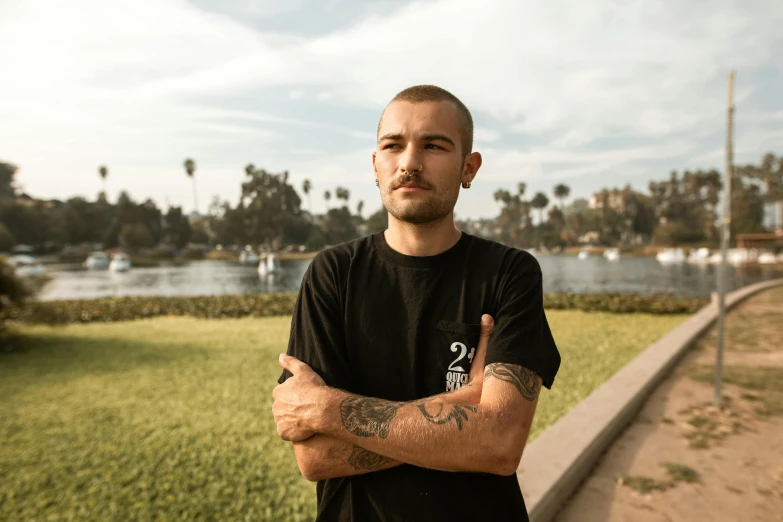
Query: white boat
[[26, 266], [612, 254], [248, 257], [584, 253], [767, 258], [735, 256], [120, 263], [671, 256], [269, 265], [97, 261], [740, 256], [700, 255]]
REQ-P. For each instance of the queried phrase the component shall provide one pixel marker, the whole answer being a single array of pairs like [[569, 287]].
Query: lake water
[[561, 274]]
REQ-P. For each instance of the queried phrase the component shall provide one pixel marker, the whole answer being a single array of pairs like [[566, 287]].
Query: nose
[[410, 160]]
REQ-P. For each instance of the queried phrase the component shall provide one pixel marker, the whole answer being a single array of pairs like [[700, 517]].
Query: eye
[[390, 146], [432, 145]]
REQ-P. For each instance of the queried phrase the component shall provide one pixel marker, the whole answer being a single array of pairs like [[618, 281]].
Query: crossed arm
[[447, 432], [324, 456], [479, 428]]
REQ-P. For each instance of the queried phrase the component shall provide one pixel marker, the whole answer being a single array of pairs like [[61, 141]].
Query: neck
[[422, 239]]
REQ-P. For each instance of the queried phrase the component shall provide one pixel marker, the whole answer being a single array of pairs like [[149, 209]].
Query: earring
[[377, 184], [466, 184]]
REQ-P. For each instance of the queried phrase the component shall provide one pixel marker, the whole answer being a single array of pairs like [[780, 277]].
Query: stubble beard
[[418, 212]]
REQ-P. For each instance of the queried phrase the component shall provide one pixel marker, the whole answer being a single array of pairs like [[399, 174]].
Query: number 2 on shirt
[[463, 351]]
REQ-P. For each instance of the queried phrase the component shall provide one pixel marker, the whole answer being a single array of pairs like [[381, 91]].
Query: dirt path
[[682, 459]]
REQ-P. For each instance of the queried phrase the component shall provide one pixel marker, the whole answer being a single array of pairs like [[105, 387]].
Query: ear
[[374, 170], [471, 166]]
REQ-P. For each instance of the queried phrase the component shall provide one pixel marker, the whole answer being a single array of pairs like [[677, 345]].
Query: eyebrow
[[390, 137], [425, 137], [442, 137]]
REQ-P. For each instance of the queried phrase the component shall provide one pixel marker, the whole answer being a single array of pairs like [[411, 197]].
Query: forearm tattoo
[[367, 416], [359, 458], [524, 380], [443, 413]]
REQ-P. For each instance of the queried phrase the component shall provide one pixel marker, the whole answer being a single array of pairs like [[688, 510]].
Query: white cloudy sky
[[591, 94]]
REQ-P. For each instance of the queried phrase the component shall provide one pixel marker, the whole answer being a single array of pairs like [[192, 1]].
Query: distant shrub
[[13, 292], [161, 253], [192, 254], [6, 238]]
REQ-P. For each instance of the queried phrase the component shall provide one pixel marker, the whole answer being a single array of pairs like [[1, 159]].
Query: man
[[379, 393]]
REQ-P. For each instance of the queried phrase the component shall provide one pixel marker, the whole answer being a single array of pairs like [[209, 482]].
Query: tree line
[[680, 210], [269, 214]]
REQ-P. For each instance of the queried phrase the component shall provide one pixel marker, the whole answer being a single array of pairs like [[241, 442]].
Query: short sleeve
[[521, 334], [317, 336]]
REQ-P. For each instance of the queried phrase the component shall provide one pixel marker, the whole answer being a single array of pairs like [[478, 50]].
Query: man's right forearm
[[322, 457]]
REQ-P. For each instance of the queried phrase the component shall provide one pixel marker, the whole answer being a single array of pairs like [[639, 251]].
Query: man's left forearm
[[428, 433]]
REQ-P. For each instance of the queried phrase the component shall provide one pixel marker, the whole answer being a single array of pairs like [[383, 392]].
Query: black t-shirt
[[381, 324]]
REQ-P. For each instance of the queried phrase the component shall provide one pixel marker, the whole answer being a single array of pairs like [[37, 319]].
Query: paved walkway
[[683, 459]]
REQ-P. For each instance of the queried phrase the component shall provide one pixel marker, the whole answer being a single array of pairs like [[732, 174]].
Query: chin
[[418, 214]]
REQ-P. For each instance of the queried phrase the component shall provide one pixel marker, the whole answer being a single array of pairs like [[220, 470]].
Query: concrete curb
[[558, 460]]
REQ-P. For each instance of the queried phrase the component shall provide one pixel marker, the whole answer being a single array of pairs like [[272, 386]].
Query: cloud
[[144, 84], [483, 135]]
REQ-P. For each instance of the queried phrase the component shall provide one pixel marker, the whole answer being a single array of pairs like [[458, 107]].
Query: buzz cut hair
[[433, 93]]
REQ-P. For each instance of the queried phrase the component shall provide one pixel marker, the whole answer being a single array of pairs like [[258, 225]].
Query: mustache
[[411, 178]]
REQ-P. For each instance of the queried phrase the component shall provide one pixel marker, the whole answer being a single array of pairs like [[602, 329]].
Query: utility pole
[[724, 242]]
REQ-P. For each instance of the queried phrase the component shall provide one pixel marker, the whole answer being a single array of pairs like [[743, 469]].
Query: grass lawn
[[170, 418]]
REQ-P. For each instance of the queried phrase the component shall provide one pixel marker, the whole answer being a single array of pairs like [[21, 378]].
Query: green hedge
[[626, 303], [260, 305]]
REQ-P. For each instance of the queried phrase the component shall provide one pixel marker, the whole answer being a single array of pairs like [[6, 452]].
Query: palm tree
[[540, 202], [359, 207], [521, 188], [190, 169], [342, 193], [561, 192], [104, 172], [502, 196], [327, 197], [306, 186]]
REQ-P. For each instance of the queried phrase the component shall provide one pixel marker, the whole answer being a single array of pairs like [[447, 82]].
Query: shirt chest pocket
[[456, 349]]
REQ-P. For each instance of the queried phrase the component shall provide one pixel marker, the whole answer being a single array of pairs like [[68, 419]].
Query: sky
[[591, 94]]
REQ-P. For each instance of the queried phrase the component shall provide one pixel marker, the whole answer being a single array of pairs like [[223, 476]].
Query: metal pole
[[724, 243]]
